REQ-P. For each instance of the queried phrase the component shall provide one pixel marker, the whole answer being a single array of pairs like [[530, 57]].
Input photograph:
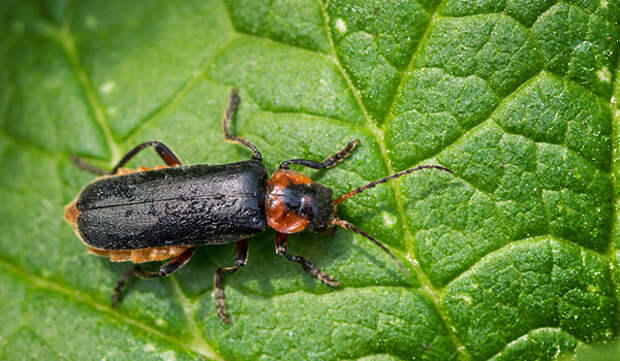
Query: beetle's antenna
[[383, 180], [344, 224]]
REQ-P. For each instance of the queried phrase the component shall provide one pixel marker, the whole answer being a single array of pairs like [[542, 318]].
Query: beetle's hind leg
[[165, 270], [306, 264], [233, 104], [329, 162], [240, 261], [80, 163], [162, 150]]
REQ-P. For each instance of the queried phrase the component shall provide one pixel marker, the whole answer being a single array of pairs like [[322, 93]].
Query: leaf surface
[[515, 256]]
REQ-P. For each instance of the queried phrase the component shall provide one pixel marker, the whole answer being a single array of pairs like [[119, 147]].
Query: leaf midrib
[[426, 287], [615, 139]]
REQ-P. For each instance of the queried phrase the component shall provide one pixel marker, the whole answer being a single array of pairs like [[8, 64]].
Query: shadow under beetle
[[163, 213]]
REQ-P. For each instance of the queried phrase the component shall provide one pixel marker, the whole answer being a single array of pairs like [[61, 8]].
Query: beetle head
[[294, 203]]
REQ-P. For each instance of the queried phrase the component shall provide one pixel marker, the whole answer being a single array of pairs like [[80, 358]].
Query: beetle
[[162, 213]]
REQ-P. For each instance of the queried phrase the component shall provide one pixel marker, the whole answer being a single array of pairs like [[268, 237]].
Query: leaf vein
[[510, 243], [78, 296], [427, 287], [66, 42], [547, 328]]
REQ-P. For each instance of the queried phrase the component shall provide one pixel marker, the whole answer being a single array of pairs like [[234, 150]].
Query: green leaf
[[514, 257]]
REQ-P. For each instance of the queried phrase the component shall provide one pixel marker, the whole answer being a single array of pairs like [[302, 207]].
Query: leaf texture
[[515, 256]]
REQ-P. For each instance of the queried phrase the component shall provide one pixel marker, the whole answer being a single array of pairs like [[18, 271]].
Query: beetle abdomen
[[178, 206], [140, 255]]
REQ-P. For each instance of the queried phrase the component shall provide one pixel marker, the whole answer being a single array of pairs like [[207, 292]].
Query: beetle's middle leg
[[240, 261], [308, 265], [233, 104], [165, 270], [162, 150], [329, 162]]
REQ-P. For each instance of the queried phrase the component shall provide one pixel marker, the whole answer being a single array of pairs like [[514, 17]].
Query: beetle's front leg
[[308, 266], [240, 261], [329, 162], [165, 270]]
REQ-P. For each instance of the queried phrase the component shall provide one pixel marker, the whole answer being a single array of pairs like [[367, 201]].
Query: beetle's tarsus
[[329, 162], [334, 159], [306, 264], [309, 267], [220, 302], [118, 289], [327, 279], [82, 164], [220, 297], [241, 258]]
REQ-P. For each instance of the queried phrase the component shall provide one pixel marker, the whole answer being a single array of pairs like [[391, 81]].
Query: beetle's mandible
[[163, 213]]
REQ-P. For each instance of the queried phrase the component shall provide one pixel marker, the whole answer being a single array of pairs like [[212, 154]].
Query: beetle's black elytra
[[154, 214]]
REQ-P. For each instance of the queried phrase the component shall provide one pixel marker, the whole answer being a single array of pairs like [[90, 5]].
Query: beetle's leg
[[240, 261], [165, 270], [329, 162], [233, 104], [80, 163], [118, 289], [162, 150], [308, 266]]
